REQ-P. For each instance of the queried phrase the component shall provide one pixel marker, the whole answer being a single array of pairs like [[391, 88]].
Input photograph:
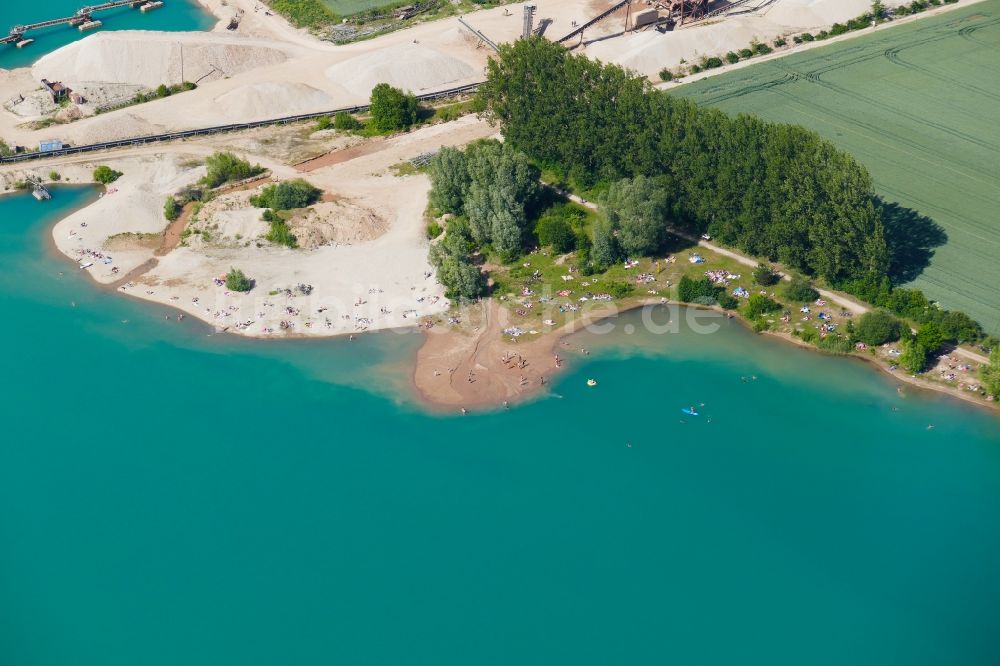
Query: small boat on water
[[689, 411], [591, 382]]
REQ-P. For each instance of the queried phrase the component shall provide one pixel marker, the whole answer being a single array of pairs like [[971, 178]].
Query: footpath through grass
[[918, 105]]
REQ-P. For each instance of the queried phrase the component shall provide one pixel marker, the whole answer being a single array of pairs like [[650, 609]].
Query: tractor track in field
[[816, 78], [874, 131]]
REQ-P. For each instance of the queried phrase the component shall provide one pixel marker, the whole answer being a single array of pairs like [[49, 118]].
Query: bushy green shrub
[[765, 276], [666, 74], [279, 232], [726, 301], [236, 280], [759, 304], [712, 63], [732, 58], [780, 41], [807, 37], [433, 230], [227, 168], [286, 196], [324, 123], [746, 53], [702, 291], [345, 121], [171, 210], [810, 335], [800, 291], [554, 230], [106, 175], [836, 344]]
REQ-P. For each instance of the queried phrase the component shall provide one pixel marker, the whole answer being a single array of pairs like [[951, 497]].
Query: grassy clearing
[[916, 104], [348, 7]]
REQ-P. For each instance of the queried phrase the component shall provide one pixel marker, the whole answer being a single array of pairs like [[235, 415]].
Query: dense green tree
[[452, 257], [877, 327], [990, 374], [912, 357], [555, 231], [800, 291], [765, 276], [637, 208], [392, 109], [605, 251], [958, 326], [106, 175], [502, 185], [929, 336], [449, 180]]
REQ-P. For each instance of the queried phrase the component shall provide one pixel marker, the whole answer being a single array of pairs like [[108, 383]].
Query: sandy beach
[[363, 265]]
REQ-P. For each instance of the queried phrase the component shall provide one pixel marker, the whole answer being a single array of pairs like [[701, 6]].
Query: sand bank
[[472, 366], [363, 265]]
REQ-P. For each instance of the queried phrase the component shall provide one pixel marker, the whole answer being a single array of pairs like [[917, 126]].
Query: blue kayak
[[689, 411]]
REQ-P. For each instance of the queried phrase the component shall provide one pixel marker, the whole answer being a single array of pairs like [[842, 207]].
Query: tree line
[[771, 190], [490, 188]]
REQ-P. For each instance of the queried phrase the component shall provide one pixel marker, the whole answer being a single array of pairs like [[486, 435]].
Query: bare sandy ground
[[365, 254], [268, 69], [473, 365]]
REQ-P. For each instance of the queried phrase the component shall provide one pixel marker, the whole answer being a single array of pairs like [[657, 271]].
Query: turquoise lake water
[[170, 497], [173, 15]]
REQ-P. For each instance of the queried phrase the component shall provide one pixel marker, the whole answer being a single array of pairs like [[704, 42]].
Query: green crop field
[[919, 106]]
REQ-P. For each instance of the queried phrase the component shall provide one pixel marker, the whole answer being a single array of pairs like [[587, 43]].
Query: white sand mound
[[408, 66], [113, 126], [270, 100], [151, 58], [816, 13], [648, 52]]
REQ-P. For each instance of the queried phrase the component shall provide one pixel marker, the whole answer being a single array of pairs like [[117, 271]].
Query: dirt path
[[343, 155], [135, 273]]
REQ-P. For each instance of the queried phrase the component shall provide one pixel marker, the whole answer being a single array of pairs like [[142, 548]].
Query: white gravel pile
[[150, 58], [649, 51], [259, 101], [407, 66], [802, 14]]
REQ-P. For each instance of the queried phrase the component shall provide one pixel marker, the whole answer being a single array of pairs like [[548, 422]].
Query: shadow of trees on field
[[911, 238]]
